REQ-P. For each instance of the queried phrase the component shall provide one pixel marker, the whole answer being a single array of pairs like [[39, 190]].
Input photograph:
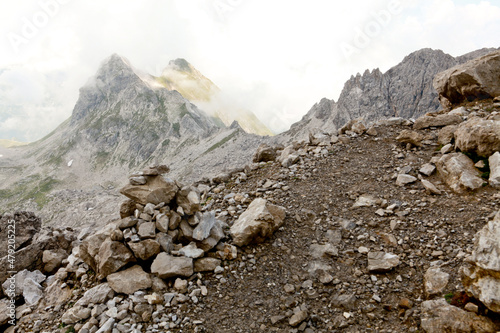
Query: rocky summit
[[384, 226]]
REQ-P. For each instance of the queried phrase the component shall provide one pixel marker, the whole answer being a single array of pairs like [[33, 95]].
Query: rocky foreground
[[393, 227]]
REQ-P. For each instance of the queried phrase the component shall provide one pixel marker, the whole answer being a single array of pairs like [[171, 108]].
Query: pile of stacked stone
[[162, 228]]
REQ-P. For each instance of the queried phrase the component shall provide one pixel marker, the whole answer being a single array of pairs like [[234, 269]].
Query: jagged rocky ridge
[[404, 91]]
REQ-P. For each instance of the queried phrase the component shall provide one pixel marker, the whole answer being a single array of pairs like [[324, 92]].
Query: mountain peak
[[180, 64]]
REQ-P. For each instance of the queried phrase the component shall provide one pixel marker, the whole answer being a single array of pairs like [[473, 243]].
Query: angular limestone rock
[[379, 262], [189, 199], [145, 249], [112, 256], [441, 120], [478, 136], [257, 223], [168, 266], [459, 173], [494, 162], [439, 316], [264, 153], [130, 280], [435, 280], [157, 189], [481, 277]]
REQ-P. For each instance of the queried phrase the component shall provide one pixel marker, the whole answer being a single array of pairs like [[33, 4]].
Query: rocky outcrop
[[257, 223], [476, 79], [481, 277], [406, 90]]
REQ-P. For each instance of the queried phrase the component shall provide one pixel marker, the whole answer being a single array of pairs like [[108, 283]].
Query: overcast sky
[[276, 57]]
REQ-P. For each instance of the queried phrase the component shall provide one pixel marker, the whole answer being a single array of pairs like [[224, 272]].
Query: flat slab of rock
[[403, 180], [379, 262], [167, 266], [96, 295], [257, 223], [440, 120], [439, 316], [475, 79], [157, 189], [130, 280]]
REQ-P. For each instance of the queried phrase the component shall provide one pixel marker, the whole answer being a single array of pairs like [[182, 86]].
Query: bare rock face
[[458, 171], [439, 316], [476, 79], [479, 136], [481, 277], [264, 153], [257, 223], [157, 189], [130, 280]]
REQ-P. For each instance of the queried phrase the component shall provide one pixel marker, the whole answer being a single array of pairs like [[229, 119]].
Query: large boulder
[[440, 317], [130, 280], [476, 79], [264, 153], [257, 223], [156, 190], [481, 277], [458, 171], [479, 136]]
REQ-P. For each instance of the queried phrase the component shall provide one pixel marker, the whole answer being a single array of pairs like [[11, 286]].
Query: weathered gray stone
[[264, 153], [191, 251], [175, 220], [53, 259], [435, 280], [459, 173], [166, 242], [96, 295], [440, 317], [446, 135], [257, 223], [403, 180], [382, 262], [203, 229], [75, 314], [147, 230], [430, 187], [189, 199], [427, 169], [138, 180], [112, 256], [494, 162], [297, 318], [157, 189], [478, 136], [130, 280], [475, 79], [320, 251], [168, 266], [481, 277], [145, 249], [32, 291], [162, 222], [206, 264], [365, 200], [411, 137]]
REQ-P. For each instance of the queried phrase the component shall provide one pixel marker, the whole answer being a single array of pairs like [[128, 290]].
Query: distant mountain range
[[125, 119], [404, 91]]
